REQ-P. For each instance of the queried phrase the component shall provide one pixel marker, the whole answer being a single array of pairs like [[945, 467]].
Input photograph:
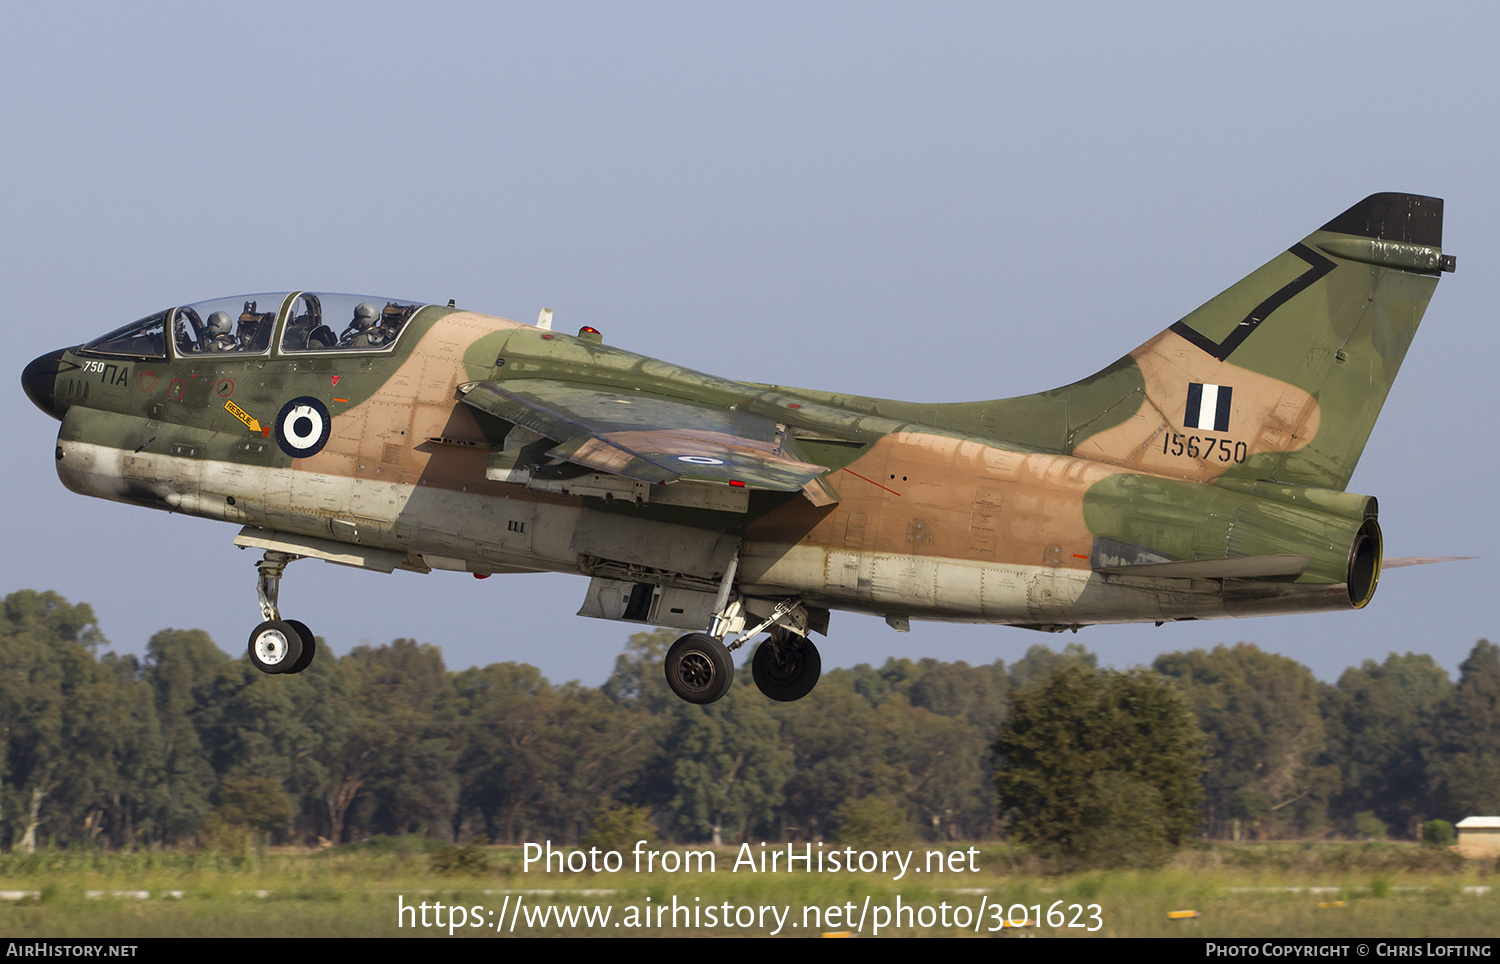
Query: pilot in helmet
[[361, 332], [218, 331]]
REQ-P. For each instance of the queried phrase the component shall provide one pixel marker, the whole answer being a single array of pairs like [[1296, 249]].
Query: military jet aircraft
[[1203, 475]]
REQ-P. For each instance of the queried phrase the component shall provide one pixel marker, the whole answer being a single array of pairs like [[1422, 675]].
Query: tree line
[[111, 750]]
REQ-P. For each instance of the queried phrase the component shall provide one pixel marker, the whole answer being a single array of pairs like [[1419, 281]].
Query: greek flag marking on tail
[[1208, 407]]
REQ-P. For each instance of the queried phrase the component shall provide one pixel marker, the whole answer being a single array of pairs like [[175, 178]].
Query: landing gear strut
[[700, 668], [278, 645]]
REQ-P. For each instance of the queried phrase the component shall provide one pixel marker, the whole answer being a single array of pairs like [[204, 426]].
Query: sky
[[932, 201]]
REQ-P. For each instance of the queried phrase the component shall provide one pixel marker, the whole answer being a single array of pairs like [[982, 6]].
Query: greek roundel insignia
[[302, 427]]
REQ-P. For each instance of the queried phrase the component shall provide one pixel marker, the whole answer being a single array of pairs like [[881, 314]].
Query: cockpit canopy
[[248, 324]]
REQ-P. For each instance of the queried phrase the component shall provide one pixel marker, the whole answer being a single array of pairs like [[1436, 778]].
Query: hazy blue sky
[[934, 202]]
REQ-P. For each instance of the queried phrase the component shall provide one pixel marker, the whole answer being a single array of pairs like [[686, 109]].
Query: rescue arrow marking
[[239, 413]]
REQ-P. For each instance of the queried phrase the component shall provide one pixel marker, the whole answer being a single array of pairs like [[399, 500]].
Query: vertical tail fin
[[1280, 377]]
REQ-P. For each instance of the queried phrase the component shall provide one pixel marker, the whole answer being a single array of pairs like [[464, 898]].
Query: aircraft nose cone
[[40, 381]]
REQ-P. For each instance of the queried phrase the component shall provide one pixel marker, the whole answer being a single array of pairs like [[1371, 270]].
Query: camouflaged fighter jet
[[1200, 476]]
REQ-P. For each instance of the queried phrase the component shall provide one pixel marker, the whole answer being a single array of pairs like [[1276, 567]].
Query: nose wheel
[[275, 646], [278, 645]]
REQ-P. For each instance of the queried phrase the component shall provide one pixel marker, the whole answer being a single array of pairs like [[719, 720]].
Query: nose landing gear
[[278, 645]]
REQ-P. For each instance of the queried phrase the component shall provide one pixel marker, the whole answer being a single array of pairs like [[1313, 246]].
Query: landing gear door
[[642, 602]]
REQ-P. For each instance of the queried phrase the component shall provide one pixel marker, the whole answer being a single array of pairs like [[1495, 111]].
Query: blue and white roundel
[[302, 427], [699, 460]]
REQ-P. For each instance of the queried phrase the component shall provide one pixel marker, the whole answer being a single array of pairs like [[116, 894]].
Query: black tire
[[275, 646], [699, 668], [309, 647], [786, 670]]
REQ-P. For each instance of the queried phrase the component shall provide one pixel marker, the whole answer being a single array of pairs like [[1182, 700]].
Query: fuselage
[[923, 522], [1203, 474]]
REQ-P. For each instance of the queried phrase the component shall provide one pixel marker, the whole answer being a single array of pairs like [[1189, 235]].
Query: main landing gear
[[699, 668], [278, 645], [786, 667]]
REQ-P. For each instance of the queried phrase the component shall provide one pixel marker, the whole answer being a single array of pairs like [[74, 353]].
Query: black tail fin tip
[[1411, 218]]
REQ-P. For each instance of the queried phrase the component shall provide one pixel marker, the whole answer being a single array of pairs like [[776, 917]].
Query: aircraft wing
[[653, 438]]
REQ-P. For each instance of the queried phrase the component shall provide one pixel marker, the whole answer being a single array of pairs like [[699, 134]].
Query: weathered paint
[[1200, 476]]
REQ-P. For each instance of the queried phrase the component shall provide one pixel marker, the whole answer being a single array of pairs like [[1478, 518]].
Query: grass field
[[388, 887]]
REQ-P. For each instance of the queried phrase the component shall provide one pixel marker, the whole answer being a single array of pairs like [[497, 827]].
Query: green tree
[[288, 728], [182, 667], [593, 750], [729, 764], [975, 693], [615, 826], [1463, 760], [1439, 833], [638, 677], [1099, 767], [873, 822], [1041, 662], [396, 771], [1263, 721], [930, 733], [132, 792], [1378, 720], [63, 721], [258, 803], [841, 749], [946, 780], [505, 711]]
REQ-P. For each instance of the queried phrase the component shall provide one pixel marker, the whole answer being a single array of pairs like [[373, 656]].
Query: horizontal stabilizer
[[1239, 567], [1404, 561]]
